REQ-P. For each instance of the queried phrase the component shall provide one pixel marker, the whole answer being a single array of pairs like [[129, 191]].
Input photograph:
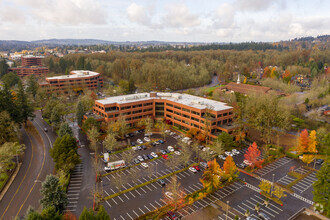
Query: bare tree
[[218, 148], [207, 122], [186, 154], [173, 162], [120, 179], [196, 149], [129, 155], [162, 127], [174, 193], [93, 135]]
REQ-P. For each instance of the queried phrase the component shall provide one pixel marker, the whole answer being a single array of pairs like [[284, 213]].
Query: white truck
[[115, 165], [106, 157]]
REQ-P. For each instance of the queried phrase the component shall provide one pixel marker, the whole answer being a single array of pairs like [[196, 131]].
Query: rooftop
[[75, 74], [185, 99], [31, 56]]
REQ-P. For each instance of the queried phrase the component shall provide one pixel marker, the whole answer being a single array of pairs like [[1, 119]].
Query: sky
[[170, 20]]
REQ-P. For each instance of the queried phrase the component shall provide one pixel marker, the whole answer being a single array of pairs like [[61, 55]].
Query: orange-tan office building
[[30, 65], [180, 110], [76, 81]]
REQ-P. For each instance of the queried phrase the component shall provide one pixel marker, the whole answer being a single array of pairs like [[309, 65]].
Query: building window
[[168, 104], [225, 114], [169, 110]]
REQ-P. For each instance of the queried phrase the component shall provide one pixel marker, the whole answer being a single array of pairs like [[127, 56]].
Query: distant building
[[180, 110], [76, 81], [30, 65]]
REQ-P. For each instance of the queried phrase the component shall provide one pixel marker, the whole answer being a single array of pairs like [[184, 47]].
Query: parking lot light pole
[[272, 184], [227, 210]]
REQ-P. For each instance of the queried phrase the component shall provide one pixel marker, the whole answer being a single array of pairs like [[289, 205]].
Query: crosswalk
[[74, 187]]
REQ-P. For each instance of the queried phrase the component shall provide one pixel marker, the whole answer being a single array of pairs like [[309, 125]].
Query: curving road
[[36, 165]]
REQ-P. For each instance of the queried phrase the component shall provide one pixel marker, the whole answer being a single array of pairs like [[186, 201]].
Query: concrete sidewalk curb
[[11, 180]]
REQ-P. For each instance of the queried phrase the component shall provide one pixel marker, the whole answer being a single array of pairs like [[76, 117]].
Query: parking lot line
[[135, 213], [142, 211], [148, 187], [238, 211], [188, 191], [247, 206], [158, 203], [137, 192], [139, 181], [262, 209], [126, 196], [265, 206], [162, 201], [114, 201], [131, 194], [108, 203], [181, 175], [143, 190], [153, 206], [147, 208], [269, 203], [137, 168], [178, 177], [129, 215], [153, 185]]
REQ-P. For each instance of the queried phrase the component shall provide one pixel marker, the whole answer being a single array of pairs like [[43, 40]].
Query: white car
[[206, 149], [247, 162], [145, 165], [139, 141], [147, 139], [153, 154], [106, 169], [222, 157], [172, 133], [169, 194], [228, 153], [192, 169], [177, 152], [140, 158], [235, 152], [170, 148], [147, 134]]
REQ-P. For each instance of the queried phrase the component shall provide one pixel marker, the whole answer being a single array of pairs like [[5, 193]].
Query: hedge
[[292, 155], [148, 182]]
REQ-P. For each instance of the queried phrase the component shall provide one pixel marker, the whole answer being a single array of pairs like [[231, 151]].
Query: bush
[[292, 155]]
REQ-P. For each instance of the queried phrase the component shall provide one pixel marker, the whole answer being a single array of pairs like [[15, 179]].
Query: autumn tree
[[212, 176], [174, 194], [252, 155], [230, 169], [162, 127], [118, 127], [311, 150], [110, 142], [303, 142], [278, 192], [265, 186]]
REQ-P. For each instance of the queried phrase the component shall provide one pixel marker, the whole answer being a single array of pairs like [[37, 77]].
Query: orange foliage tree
[[69, 216], [252, 155], [200, 137], [192, 132], [230, 169], [212, 176], [303, 142], [174, 194]]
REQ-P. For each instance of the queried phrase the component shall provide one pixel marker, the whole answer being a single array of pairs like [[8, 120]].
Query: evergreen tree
[[51, 65], [32, 214], [80, 113], [52, 194], [23, 104], [7, 103], [81, 63], [10, 78], [321, 189], [102, 214], [88, 66], [86, 215], [50, 213], [32, 86], [62, 64], [3, 67], [65, 129]]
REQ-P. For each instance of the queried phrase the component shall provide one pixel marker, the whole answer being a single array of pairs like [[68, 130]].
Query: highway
[[36, 165]]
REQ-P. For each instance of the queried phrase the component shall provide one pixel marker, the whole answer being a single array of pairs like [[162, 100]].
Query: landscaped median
[[298, 177], [146, 183]]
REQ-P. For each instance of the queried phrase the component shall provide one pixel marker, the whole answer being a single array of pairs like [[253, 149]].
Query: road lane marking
[[142, 211], [129, 215]]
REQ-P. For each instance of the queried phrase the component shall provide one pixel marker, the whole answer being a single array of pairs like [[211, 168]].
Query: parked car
[[139, 147], [161, 182], [165, 156], [146, 139], [222, 157], [145, 157], [136, 161], [131, 134], [192, 169], [170, 148], [143, 147], [106, 169], [163, 152], [172, 133], [319, 161], [177, 152], [161, 141], [235, 152], [167, 131], [228, 153], [241, 165], [134, 148], [263, 216], [45, 129], [157, 142], [247, 162], [145, 165], [154, 154], [127, 136], [139, 141], [169, 194], [140, 158], [149, 156], [203, 164], [133, 143], [250, 218], [153, 144], [173, 216], [196, 168]]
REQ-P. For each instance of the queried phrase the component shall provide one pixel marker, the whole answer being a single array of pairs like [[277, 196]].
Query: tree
[[50, 213], [87, 215], [129, 156], [32, 86], [7, 152], [162, 127], [278, 192], [147, 123], [207, 123], [309, 155], [176, 196], [3, 67], [80, 113], [321, 189], [89, 123], [212, 176], [265, 186], [252, 155], [64, 153], [8, 128], [8, 103], [110, 142], [303, 142], [119, 127], [186, 154], [173, 162], [230, 169], [80, 63], [10, 79], [226, 140], [52, 194], [102, 214], [23, 104], [65, 129], [32, 214], [218, 147]]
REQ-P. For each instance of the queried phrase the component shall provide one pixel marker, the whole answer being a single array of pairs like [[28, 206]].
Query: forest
[[187, 69]]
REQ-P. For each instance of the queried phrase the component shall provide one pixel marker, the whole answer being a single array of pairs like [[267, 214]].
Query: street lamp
[[273, 183], [227, 210]]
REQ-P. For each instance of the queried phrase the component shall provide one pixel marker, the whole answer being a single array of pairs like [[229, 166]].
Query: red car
[[165, 156], [197, 168]]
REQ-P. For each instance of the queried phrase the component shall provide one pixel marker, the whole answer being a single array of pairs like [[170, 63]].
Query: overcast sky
[[167, 20]]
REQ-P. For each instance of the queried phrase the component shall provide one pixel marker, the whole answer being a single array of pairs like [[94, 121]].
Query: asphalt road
[[36, 165]]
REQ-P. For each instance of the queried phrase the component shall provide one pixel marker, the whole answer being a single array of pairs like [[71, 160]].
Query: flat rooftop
[[32, 56], [185, 99], [75, 74]]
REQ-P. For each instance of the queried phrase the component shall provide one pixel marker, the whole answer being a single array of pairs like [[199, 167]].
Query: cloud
[[65, 12], [12, 15], [224, 16], [139, 14], [179, 16], [257, 5]]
